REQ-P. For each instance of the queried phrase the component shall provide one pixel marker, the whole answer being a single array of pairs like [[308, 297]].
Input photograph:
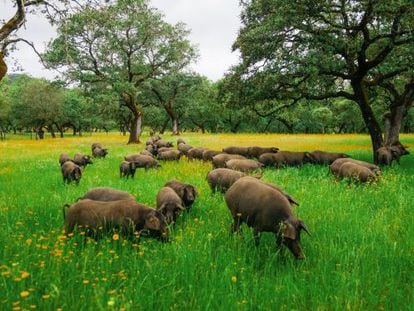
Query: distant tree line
[[191, 103]]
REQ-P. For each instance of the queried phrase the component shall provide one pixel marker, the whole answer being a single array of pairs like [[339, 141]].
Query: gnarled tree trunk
[[136, 128], [370, 121], [399, 109]]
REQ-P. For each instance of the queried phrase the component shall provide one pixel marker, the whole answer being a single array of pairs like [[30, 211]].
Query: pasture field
[[360, 255]]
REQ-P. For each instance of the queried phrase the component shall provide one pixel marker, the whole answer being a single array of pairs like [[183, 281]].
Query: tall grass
[[360, 254]]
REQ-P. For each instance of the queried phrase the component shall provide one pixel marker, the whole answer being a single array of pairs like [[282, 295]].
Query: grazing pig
[[399, 151], [180, 141], [71, 172], [152, 149], [152, 140], [147, 153], [99, 152], [243, 151], [142, 161], [386, 155], [336, 165], [186, 192], [162, 149], [195, 153], [170, 155], [267, 159], [222, 179], [219, 161], [106, 194], [357, 172], [162, 143], [209, 154], [184, 148], [243, 165], [169, 204], [127, 169], [256, 152], [64, 157], [96, 145], [126, 215], [266, 210], [82, 160], [285, 158], [323, 157]]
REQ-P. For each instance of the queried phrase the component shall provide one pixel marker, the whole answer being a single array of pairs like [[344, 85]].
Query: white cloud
[[214, 25]]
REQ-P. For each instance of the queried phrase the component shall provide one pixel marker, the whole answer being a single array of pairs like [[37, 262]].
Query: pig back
[[257, 204], [94, 214]]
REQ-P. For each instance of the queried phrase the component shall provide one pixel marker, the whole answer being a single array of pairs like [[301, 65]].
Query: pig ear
[[303, 226], [289, 230], [152, 222]]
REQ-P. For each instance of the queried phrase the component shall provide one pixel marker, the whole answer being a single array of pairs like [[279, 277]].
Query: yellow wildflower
[[115, 237], [25, 275], [24, 294], [234, 279], [46, 296], [85, 281]]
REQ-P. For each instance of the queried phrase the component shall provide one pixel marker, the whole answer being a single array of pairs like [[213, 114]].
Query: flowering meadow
[[360, 255]]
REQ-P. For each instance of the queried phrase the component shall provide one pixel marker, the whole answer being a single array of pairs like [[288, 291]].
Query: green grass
[[360, 255]]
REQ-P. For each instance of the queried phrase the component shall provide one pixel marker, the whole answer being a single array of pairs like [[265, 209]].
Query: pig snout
[[295, 247]]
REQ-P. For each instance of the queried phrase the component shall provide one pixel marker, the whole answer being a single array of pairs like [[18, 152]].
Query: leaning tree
[[120, 44], [320, 49], [8, 29]]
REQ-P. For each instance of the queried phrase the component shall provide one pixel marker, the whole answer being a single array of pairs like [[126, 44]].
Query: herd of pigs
[[263, 206]]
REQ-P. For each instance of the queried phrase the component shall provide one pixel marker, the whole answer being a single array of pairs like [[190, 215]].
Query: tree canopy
[[120, 45], [327, 49]]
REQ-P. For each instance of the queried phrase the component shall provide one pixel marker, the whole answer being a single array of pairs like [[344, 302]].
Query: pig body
[[125, 215], [127, 169], [265, 209], [186, 192], [82, 159], [106, 194], [243, 165], [219, 161], [142, 161], [169, 204], [71, 172], [357, 172]]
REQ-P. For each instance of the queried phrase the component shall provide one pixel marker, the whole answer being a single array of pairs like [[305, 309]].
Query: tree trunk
[[394, 119], [392, 125], [175, 130], [52, 131], [3, 66], [371, 122], [174, 118], [136, 129], [164, 126]]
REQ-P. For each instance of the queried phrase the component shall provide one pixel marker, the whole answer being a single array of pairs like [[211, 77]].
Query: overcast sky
[[214, 25]]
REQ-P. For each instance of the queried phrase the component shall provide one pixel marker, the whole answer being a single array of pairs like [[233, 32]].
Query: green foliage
[[358, 257], [329, 49], [121, 45], [35, 102]]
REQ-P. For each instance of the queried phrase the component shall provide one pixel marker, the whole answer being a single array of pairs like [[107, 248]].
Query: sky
[[214, 26]]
